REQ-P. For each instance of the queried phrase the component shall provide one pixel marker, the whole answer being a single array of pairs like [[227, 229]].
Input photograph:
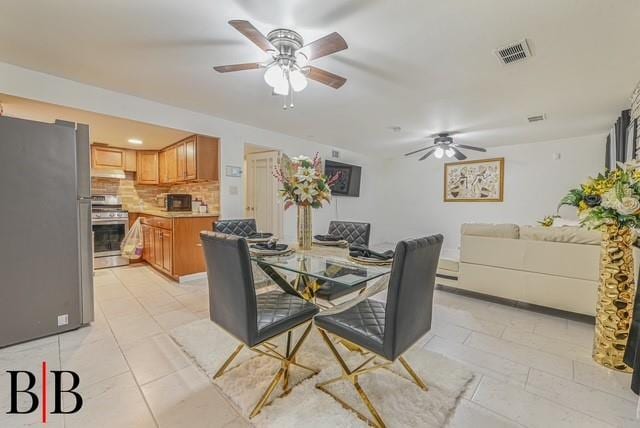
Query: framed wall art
[[474, 181]]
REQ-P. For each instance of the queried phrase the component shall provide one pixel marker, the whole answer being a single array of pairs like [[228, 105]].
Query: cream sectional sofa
[[555, 267]]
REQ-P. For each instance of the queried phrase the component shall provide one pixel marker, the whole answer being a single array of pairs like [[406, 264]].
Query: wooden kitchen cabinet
[[191, 166], [172, 164], [172, 245], [148, 253], [147, 168], [193, 159], [104, 157], [130, 161], [162, 167], [167, 251]]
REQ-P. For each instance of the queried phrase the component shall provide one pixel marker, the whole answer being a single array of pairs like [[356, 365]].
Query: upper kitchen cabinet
[[202, 159], [130, 160], [148, 170], [193, 159], [105, 157]]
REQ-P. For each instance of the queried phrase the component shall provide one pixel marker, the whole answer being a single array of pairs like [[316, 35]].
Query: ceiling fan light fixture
[[439, 153], [298, 80], [274, 76], [282, 88], [449, 152]]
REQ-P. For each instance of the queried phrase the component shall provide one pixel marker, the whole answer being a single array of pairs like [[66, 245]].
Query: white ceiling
[[427, 66], [104, 129]]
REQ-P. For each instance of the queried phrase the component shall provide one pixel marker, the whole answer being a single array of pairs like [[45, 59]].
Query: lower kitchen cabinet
[[172, 245]]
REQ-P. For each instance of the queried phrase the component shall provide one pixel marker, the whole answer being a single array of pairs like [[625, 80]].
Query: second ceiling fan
[[288, 69], [443, 145]]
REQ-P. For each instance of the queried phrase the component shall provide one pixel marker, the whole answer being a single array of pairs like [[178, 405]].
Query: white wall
[[400, 197], [34, 85], [534, 184]]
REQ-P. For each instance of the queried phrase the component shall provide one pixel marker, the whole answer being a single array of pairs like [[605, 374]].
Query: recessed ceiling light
[[134, 141]]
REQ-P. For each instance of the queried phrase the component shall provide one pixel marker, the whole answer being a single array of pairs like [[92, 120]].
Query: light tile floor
[[532, 370]]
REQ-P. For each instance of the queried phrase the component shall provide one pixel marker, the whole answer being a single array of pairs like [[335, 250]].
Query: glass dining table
[[316, 267]]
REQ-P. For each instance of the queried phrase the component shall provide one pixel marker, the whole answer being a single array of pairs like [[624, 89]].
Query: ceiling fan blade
[[426, 155], [325, 77], [237, 67], [458, 154], [478, 149], [324, 46], [253, 34], [417, 151]]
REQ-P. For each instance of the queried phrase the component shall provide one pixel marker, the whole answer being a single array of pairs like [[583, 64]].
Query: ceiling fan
[[443, 145], [288, 69]]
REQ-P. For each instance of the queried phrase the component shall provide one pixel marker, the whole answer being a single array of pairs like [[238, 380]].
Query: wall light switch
[[557, 156], [233, 190], [63, 320]]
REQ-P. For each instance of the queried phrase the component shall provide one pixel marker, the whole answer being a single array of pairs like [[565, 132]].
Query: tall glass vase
[[615, 297], [304, 227]]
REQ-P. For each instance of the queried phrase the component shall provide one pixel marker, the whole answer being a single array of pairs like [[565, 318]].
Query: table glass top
[[329, 268]]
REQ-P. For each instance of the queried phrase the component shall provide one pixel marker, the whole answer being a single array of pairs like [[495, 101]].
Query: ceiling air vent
[[514, 52], [536, 118]]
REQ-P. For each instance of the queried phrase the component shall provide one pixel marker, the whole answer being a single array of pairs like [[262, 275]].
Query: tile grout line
[[191, 363], [135, 379]]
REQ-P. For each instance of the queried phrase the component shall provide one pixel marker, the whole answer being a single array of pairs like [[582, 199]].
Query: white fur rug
[[400, 402]]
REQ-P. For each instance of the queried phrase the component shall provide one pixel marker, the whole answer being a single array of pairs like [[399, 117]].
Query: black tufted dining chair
[[252, 319], [387, 330], [351, 231], [241, 227]]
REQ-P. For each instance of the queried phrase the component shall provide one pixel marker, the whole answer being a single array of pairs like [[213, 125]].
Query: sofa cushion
[[567, 234], [491, 230]]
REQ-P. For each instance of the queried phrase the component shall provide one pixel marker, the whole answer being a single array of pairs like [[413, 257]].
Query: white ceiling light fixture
[[288, 70], [134, 141], [438, 153], [449, 152]]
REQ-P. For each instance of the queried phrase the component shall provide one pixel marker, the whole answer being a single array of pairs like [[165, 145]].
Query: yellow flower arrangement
[[612, 197]]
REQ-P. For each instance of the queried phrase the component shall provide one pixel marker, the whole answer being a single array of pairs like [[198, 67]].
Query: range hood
[[114, 174]]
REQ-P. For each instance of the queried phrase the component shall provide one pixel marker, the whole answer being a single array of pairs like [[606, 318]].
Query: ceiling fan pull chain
[[291, 94]]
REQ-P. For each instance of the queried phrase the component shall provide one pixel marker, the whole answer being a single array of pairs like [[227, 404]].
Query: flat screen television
[[349, 182]]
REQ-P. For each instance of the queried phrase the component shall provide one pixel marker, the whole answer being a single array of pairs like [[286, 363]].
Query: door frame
[[278, 210]]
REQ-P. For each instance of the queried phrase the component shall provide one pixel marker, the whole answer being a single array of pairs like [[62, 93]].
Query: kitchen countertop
[[173, 214]]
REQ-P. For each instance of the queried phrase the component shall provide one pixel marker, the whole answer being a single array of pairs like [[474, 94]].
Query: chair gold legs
[[413, 374], [352, 377], [226, 363], [287, 360]]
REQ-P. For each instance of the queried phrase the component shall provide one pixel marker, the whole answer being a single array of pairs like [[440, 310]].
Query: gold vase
[[304, 227], [615, 297]]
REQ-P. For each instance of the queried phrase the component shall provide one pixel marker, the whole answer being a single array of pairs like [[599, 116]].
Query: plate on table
[[259, 237], [340, 243], [281, 249], [329, 241], [371, 261]]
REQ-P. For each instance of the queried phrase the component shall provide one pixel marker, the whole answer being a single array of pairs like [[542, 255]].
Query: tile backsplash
[[136, 196]]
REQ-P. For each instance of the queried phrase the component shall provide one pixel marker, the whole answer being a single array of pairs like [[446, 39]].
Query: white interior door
[[263, 202]]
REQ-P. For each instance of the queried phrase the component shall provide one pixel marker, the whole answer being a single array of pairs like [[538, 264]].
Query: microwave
[[177, 202]]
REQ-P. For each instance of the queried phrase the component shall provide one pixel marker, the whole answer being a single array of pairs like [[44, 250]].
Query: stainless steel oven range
[[110, 224]]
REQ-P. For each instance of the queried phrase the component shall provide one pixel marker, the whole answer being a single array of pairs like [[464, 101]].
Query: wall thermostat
[[233, 171]]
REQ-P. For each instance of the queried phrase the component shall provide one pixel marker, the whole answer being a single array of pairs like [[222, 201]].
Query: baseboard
[[518, 304], [192, 277]]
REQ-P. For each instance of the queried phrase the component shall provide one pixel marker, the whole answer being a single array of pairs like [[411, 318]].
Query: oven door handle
[[109, 221]]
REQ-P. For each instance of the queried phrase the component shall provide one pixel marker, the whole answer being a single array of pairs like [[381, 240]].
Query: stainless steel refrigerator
[[46, 272]]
